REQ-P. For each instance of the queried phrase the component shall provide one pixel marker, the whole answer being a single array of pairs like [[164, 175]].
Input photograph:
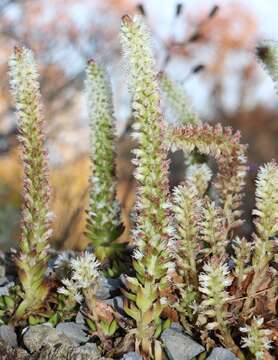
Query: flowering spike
[[267, 53], [228, 152], [153, 230], [36, 217], [212, 229], [213, 283], [104, 218], [199, 176], [242, 249], [266, 224], [176, 99], [187, 210], [267, 201], [257, 338]]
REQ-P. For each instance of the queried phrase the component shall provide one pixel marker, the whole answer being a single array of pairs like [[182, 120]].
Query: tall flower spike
[[213, 283], [212, 229], [153, 230], [35, 224], [175, 97], [104, 218], [267, 52], [242, 249], [266, 224], [187, 210]]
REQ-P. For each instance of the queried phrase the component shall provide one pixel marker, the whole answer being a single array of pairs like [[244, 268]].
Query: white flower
[[62, 260], [195, 307], [85, 270], [257, 339], [137, 254], [70, 289], [213, 283], [163, 301], [198, 177]]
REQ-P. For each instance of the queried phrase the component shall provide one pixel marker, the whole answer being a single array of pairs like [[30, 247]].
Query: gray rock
[[73, 331], [38, 336], [116, 283], [221, 354], [90, 349], [104, 288], [9, 353], [8, 334], [79, 319], [179, 346], [3, 280], [132, 356], [63, 351], [2, 271], [177, 327], [117, 303], [4, 290]]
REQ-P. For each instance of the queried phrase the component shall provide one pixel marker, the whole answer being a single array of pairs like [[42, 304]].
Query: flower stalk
[[229, 153], [32, 258], [257, 338], [266, 223], [153, 229], [104, 223], [213, 284]]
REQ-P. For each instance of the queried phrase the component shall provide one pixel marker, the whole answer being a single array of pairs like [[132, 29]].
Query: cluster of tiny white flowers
[[62, 260], [22, 69], [84, 274], [104, 209], [164, 300], [137, 254], [257, 339], [70, 289], [214, 280], [85, 270], [198, 176], [267, 199]]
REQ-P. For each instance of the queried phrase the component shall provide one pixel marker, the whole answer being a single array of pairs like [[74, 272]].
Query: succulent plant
[[188, 263], [153, 229], [104, 223], [32, 258]]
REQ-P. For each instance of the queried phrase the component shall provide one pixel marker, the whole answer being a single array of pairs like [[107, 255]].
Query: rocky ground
[[71, 340]]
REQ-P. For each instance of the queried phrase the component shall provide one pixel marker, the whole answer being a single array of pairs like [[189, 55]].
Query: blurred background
[[216, 37]]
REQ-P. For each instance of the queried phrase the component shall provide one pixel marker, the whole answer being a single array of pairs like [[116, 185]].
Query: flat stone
[[9, 353], [79, 319], [4, 290], [2, 271], [177, 327], [104, 288], [179, 346], [90, 348], [67, 352], [8, 335], [38, 336], [3, 280], [115, 283], [132, 356], [117, 303], [221, 354], [73, 331]]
